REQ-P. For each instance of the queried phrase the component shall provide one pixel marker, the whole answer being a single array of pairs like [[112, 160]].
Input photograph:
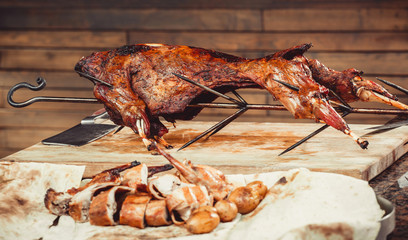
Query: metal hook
[[41, 84]]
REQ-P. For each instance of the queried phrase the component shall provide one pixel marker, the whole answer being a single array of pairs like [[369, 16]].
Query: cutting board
[[241, 147]]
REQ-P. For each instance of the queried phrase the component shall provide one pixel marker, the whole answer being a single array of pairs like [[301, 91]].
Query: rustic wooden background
[[46, 38]]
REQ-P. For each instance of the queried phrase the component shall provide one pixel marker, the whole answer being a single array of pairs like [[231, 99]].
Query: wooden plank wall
[[46, 38]]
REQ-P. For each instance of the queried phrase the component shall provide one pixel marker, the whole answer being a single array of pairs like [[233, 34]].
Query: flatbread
[[307, 205], [313, 205], [22, 190]]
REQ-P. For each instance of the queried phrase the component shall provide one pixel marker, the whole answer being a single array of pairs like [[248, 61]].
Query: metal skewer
[[399, 120], [41, 84], [314, 133], [222, 123], [278, 107], [288, 85], [209, 89], [394, 86], [240, 104], [244, 109], [94, 79], [239, 97]]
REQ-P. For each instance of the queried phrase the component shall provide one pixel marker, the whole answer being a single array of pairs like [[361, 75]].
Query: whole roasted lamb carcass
[[144, 85]]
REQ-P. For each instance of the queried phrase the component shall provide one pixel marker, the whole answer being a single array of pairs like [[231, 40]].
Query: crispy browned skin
[[101, 210], [291, 66], [157, 213], [134, 209], [112, 175], [105, 205], [145, 87], [345, 83]]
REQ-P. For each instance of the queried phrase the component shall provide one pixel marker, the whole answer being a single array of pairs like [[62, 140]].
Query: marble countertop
[[392, 184]]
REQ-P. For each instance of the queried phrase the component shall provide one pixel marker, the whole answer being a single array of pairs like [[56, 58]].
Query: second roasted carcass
[[144, 87]]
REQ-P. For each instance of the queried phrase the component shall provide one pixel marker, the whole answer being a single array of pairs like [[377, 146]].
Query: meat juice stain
[[122, 145], [259, 140], [254, 212], [264, 142], [136, 146], [14, 206], [132, 143]]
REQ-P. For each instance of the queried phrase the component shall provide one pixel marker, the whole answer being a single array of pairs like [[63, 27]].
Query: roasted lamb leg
[[351, 86]]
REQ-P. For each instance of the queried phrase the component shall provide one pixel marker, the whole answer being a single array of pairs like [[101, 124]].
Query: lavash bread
[[23, 187], [311, 205]]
